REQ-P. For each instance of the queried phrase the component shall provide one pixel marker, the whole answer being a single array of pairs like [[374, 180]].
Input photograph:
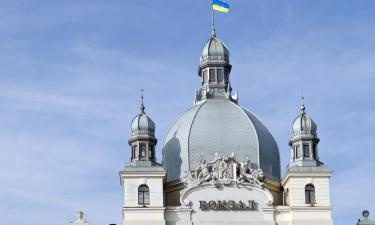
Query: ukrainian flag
[[220, 6]]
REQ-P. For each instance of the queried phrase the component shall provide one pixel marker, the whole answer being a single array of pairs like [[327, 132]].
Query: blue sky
[[70, 74]]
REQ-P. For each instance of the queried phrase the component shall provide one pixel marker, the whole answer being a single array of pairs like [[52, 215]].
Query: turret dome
[[303, 124], [142, 124], [215, 50]]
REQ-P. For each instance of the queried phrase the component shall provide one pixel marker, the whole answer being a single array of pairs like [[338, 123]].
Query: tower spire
[[142, 105], [303, 105]]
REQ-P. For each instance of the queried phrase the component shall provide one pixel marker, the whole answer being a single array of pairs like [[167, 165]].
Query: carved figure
[[203, 173], [79, 216], [79, 219], [258, 176], [223, 171]]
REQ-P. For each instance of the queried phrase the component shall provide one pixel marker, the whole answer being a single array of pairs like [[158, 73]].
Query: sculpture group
[[222, 171]]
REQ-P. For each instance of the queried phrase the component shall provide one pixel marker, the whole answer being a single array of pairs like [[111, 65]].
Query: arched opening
[[310, 194], [143, 195]]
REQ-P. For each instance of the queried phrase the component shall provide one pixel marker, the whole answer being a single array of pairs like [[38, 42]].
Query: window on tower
[[220, 75], [306, 151], [314, 151], [205, 76], [135, 151], [143, 195], [212, 75], [150, 152], [226, 76], [298, 152], [143, 150], [310, 194]]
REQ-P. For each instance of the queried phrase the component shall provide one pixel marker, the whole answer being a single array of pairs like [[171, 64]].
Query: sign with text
[[228, 205]]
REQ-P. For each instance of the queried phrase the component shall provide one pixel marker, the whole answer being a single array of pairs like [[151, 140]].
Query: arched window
[[143, 195], [310, 194]]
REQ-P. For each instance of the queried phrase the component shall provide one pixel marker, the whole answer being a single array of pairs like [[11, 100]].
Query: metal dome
[[223, 127], [142, 124], [303, 124], [215, 50]]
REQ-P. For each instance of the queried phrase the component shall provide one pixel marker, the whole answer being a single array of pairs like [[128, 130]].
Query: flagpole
[[213, 32]]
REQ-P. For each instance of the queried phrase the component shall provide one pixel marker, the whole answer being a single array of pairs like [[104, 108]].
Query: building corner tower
[[143, 178], [306, 182]]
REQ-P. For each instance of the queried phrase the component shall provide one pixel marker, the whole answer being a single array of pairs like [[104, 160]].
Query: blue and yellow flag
[[220, 6]]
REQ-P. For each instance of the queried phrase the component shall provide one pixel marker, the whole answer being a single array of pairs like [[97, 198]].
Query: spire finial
[[213, 32], [142, 106], [303, 105]]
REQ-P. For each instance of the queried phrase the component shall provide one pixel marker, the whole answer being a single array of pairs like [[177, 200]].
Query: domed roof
[[223, 127], [215, 49], [142, 124], [303, 124]]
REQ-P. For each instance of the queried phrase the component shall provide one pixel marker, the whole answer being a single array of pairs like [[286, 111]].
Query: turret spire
[[303, 105], [142, 105]]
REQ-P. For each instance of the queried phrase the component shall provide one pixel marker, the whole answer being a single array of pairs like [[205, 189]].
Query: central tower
[[216, 123], [214, 70]]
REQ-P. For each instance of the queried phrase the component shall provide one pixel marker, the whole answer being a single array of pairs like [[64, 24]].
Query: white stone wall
[[303, 216], [135, 214], [144, 216], [297, 212], [296, 190], [131, 191]]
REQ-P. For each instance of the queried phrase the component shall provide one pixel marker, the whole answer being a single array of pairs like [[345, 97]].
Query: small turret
[[142, 140], [304, 140]]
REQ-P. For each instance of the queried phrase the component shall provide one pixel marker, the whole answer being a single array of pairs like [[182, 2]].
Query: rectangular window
[[298, 152], [204, 76], [312, 197], [307, 197], [143, 150], [314, 151], [220, 75], [212, 75], [306, 151]]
